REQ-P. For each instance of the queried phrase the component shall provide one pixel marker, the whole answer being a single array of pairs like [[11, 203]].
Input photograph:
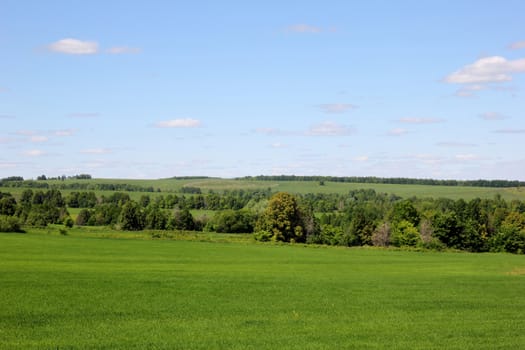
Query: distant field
[[175, 185], [78, 292]]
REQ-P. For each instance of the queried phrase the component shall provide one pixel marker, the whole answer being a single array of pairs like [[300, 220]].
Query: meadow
[[296, 187], [90, 291]]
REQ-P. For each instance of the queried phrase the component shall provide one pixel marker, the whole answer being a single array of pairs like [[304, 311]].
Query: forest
[[361, 217]]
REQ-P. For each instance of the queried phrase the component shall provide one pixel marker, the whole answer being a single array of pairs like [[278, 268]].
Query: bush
[[262, 236], [9, 224]]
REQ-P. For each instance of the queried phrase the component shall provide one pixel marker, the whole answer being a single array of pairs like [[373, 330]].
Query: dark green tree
[[131, 217]]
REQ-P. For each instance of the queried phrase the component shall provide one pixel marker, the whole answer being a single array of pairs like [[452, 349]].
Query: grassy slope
[[174, 185], [78, 292]]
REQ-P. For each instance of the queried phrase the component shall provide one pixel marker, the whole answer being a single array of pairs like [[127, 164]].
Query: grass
[[302, 187], [82, 291]]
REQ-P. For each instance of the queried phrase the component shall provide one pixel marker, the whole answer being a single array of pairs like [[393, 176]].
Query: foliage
[[10, 224], [282, 219], [131, 217], [233, 221], [405, 234]]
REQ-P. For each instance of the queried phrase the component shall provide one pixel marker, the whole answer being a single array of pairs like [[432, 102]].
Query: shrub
[[9, 224], [262, 236]]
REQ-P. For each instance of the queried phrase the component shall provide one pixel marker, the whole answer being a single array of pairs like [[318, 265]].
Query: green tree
[[182, 220], [282, 219], [233, 221], [131, 217], [405, 234], [404, 210]]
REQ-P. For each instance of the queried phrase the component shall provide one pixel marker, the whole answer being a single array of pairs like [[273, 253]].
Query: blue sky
[[154, 89]]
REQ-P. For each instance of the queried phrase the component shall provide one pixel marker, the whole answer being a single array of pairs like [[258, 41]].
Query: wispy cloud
[[269, 131], [487, 70], [330, 128], [454, 144], [34, 153], [510, 131], [397, 132], [7, 117], [467, 157], [492, 116], [517, 45], [469, 90], [26, 132], [334, 108], [361, 159], [179, 123], [278, 145], [84, 115], [304, 28], [421, 120], [97, 151], [64, 132], [72, 46], [39, 139], [122, 50]]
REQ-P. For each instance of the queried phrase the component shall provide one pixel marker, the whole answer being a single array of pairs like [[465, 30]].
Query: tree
[[404, 210], [131, 218], [7, 205], [405, 234], [83, 217], [233, 221], [156, 219], [182, 220], [282, 219], [381, 236]]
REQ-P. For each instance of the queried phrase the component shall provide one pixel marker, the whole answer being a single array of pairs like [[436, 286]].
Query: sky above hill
[[153, 89]]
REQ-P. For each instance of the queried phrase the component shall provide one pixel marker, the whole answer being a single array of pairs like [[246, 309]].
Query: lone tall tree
[[282, 219]]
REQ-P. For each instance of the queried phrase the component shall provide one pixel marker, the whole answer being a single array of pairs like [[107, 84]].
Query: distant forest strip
[[77, 186], [390, 180]]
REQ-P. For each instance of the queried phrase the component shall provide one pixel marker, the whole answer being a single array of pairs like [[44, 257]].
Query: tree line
[[360, 217], [389, 180]]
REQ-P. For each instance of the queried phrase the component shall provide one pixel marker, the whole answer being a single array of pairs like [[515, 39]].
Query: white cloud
[[278, 145], [329, 128], [510, 131], [492, 116], [97, 151], [39, 138], [361, 159], [64, 132], [397, 132], [179, 123], [454, 144], [268, 131], [336, 107], [468, 90], [26, 132], [304, 28], [420, 120], [487, 70], [120, 50], [74, 47], [466, 157], [517, 45], [34, 153]]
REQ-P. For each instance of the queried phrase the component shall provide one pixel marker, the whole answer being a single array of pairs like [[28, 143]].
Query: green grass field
[[301, 187], [85, 292]]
